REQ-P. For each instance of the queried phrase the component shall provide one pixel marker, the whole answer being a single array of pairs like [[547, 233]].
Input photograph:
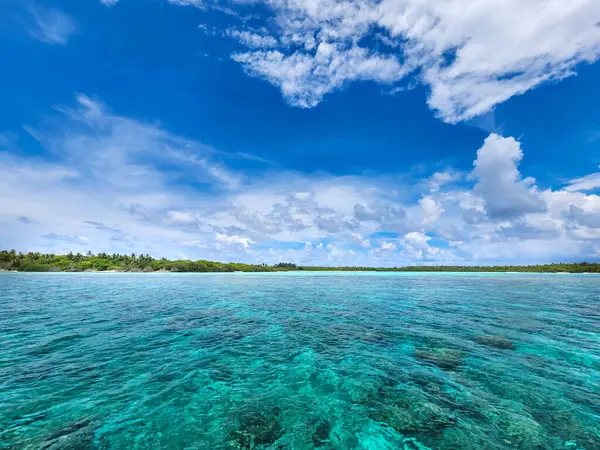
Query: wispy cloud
[[117, 184], [593, 136], [586, 183], [51, 25], [196, 3], [127, 151], [252, 39]]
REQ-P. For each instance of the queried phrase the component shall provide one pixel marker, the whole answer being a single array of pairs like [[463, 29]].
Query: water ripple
[[299, 361]]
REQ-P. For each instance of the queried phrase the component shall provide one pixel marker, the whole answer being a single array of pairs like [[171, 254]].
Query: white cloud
[[51, 25], [109, 2], [196, 3], [586, 183], [209, 166], [439, 179], [302, 196], [498, 181], [106, 190], [360, 240], [181, 218], [473, 55], [253, 40], [304, 79], [431, 210], [234, 240], [387, 246], [194, 243], [415, 245], [417, 239], [114, 145]]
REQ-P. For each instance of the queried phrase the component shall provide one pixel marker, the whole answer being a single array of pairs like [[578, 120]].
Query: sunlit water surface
[[299, 361]]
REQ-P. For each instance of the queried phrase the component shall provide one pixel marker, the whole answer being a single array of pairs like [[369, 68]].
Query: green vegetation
[[582, 267], [38, 262]]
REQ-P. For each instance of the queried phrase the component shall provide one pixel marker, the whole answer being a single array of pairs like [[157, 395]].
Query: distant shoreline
[[307, 271], [13, 261], [463, 269]]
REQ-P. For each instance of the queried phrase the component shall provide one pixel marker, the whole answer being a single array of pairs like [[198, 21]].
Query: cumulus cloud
[[416, 244], [499, 182], [431, 210], [360, 240], [387, 246], [225, 239], [390, 215], [107, 189], [439, 179], [51, 25], [471, 55]]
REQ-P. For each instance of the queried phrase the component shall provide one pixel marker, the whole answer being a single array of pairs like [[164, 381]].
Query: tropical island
[[11, 260]]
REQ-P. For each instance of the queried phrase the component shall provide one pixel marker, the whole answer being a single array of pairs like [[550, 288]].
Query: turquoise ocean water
[[299, 361]]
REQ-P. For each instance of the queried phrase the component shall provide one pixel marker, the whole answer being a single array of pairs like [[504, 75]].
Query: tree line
[[11, 260], [78, 262]]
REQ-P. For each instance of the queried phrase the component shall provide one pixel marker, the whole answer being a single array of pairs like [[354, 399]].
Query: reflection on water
[[299, 361]]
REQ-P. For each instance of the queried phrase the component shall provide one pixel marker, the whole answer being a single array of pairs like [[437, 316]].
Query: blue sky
[[375, 133]]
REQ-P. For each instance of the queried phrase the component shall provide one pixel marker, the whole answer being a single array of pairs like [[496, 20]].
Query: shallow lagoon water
[[299, 361]]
